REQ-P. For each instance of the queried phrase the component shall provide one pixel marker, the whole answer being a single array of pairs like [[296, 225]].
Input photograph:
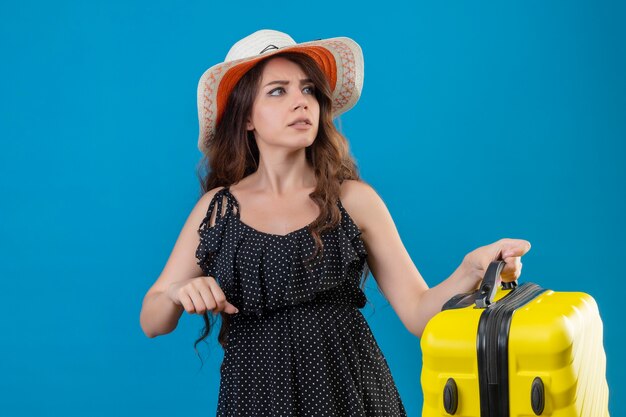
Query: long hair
[[233, 154]]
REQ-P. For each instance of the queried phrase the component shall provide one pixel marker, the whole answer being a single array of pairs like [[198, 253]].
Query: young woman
[[281, 240]]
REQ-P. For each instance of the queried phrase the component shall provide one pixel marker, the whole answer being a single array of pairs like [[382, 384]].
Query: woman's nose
[[300, 100]]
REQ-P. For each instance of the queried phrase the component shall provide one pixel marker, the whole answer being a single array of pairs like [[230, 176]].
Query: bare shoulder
[[353, 190], [359, 198], [202, 206], [208, 196]]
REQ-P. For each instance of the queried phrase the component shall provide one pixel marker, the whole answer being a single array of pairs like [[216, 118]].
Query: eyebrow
[[284, 82]]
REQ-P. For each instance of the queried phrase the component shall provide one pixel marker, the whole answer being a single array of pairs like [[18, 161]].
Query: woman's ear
[[249, 125]]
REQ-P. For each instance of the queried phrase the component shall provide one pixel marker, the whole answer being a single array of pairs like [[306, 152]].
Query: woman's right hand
[[199, 295]]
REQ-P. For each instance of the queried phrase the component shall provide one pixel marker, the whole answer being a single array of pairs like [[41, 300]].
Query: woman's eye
[[271, 93], [310, 89]]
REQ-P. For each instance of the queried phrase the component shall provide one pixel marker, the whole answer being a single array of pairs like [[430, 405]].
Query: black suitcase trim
[[492, 348]]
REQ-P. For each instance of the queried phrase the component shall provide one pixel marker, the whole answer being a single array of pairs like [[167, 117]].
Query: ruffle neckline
[[302, 282]]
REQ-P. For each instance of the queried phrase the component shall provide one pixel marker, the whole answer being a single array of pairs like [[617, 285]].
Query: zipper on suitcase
[[492, 348]]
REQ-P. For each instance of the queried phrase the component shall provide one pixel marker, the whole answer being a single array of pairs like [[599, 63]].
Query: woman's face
[[285, 95]]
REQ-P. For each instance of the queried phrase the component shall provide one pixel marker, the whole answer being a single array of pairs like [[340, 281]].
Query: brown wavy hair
[[233, 154]]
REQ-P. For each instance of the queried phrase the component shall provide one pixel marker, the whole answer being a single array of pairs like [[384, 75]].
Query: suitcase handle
[[484, 295], [487, 289]]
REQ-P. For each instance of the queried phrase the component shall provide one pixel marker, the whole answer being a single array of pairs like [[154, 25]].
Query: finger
[[511, 265], [207, 297], [514, 248], [185, 300], [198, 303], [512, 269], [218, 295], [230, 309]]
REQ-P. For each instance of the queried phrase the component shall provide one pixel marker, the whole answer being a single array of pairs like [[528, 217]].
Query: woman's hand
[[198, 295], [508, 250]]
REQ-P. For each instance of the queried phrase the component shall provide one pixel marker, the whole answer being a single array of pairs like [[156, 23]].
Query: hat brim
[[340, 59]]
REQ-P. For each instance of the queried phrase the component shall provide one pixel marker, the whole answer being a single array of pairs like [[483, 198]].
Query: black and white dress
[[299, 346]]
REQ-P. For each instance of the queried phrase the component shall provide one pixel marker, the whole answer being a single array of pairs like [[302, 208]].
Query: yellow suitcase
[[515, 351]]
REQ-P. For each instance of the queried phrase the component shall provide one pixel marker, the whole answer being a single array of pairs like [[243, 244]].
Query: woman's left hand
[[508, 250]]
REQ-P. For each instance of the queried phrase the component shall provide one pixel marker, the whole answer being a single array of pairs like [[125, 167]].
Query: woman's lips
[[301, 126]]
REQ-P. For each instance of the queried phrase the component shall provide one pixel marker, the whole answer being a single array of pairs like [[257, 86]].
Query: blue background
[[477, 121]]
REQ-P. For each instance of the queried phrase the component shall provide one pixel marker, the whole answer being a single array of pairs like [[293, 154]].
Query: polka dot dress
[[299, 345]]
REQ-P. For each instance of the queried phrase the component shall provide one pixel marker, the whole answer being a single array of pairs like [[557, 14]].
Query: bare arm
[[394, 271], [161, 309], [159, 314]]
